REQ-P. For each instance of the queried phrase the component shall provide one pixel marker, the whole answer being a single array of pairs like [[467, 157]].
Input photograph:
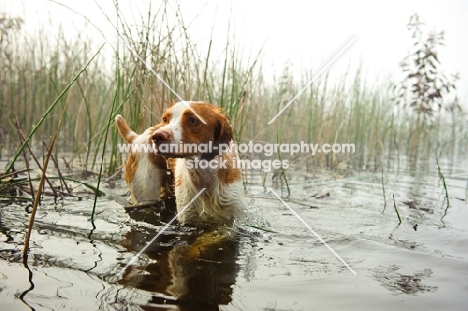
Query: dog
[[201, 124], [146, 173]]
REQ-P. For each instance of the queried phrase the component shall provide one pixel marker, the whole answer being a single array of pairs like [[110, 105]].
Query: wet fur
[[223, 198], [145, 173]]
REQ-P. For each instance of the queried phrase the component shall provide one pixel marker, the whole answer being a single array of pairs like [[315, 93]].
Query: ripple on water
[[273, 263]]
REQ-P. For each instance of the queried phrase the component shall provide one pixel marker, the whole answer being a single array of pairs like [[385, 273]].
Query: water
[[421, 264]]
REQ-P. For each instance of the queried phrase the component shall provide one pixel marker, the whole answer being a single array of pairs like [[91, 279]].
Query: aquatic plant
[[425, 88], [344, 109]]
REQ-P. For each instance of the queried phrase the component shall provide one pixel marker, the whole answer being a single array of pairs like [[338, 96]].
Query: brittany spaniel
[[206, 164], [145, 172]]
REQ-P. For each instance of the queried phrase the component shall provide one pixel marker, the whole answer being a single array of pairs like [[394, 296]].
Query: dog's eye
[[193, 121], [164, 119]]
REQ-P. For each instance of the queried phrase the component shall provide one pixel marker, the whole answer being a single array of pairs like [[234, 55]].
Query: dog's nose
[[160, 136]]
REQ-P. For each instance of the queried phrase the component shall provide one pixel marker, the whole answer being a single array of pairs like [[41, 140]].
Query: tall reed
[[347, 109]]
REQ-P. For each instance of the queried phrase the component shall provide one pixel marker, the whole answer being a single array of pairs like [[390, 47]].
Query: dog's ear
[[223, 131], [125, 131]]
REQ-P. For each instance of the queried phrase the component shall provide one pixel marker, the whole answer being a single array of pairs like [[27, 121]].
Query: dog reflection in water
[[190, 270]]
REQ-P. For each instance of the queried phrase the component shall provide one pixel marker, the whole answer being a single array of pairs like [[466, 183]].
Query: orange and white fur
[[223, 197], [145, 172]]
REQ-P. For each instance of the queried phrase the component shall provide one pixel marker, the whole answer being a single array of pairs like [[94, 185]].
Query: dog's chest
[[196, 177], [202, 178]]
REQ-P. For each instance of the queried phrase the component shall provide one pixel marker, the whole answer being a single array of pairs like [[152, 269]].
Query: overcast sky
[[302, 33]]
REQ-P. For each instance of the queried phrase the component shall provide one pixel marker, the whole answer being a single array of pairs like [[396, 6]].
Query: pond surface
[[366, 261]]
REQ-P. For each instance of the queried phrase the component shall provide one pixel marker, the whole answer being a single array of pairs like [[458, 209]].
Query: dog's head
[[190, 128]]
